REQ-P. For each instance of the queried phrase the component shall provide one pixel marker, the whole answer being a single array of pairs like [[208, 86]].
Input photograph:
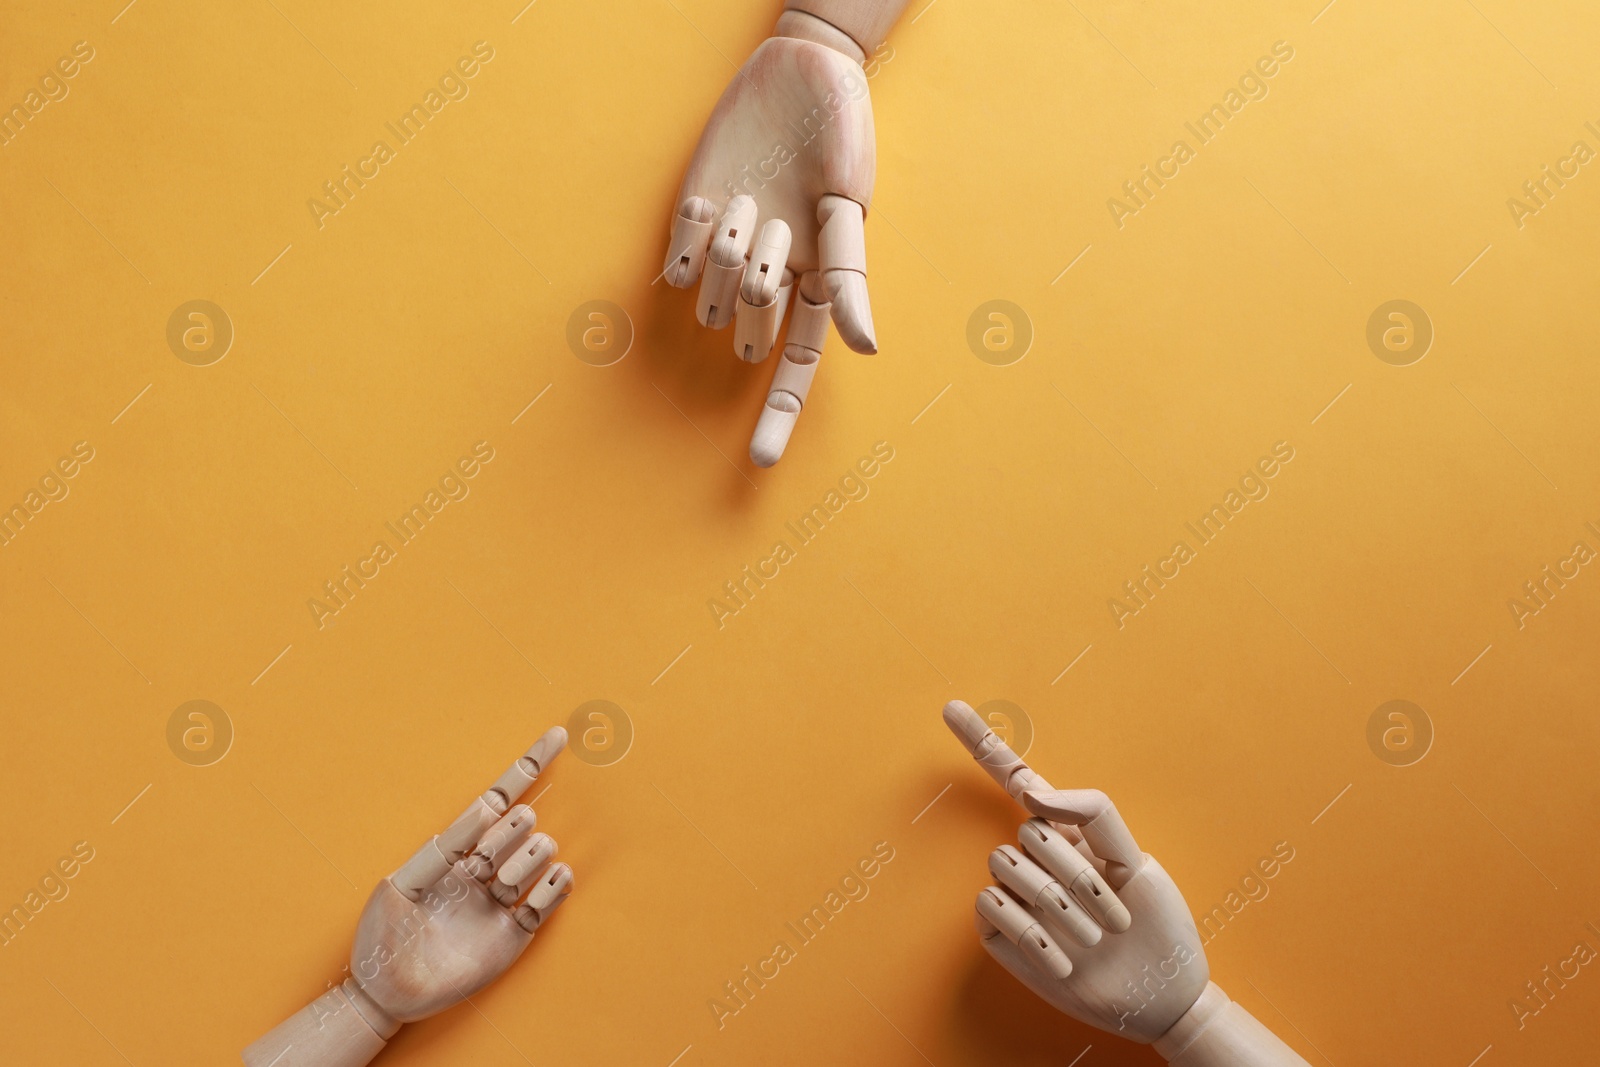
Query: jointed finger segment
[[691, 236], [1101, 824], [797, 367], [1017, 925], [1047, 897], [755, 327], [842, 252], [992, 754], [1069, 867], [517, 871], [500, 840], [724, 269], [547, 895], [435, 858], [526, 770], [430, 862]]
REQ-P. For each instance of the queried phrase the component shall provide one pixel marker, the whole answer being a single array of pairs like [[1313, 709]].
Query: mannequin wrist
[[1201, 1014], [342, 1028], [865, 22], [806, 27], [1216, 1032]]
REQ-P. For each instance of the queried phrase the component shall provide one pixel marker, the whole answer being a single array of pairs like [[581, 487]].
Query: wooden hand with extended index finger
[[1096, 927]]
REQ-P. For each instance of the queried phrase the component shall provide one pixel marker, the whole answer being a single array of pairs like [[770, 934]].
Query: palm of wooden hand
[[793, 126], [416, 958]]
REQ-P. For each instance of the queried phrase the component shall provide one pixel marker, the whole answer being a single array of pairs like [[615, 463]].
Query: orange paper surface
[[1167, 335]]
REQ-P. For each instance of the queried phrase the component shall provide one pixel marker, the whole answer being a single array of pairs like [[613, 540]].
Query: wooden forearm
[[331, 1031], [1216, 1032], [866, 22]]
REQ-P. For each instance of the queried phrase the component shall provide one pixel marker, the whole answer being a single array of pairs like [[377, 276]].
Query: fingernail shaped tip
[[771, 436], [964, 722], [554, 740]]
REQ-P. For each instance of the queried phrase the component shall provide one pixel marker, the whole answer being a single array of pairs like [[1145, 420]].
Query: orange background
[[1227, 715]]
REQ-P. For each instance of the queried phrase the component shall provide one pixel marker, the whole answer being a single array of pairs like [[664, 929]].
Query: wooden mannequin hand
[[1096, 927], [778, 190], [443, 926], [1082, 916]]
